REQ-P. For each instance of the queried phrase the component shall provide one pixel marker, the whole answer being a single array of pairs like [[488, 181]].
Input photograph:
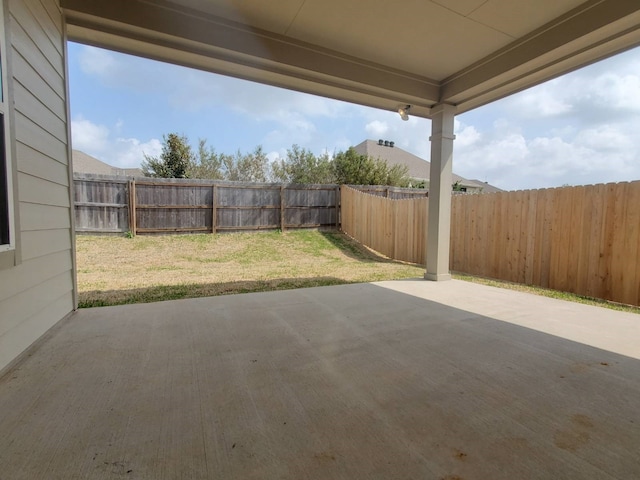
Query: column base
[[435, 277]]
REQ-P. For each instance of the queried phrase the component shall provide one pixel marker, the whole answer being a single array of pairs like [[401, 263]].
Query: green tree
[[173, 162], [302, 167], [398, 175], [352, 168], [457, 187], [208, 164], [250, 167]]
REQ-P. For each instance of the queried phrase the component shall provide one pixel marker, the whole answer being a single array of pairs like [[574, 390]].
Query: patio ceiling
[[371, 52]]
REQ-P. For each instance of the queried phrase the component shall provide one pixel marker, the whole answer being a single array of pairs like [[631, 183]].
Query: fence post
[[132, 207], [282, 208], [338, 207], [214, 209]]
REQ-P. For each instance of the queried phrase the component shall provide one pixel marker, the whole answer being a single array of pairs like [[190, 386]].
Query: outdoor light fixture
[[404, 112]]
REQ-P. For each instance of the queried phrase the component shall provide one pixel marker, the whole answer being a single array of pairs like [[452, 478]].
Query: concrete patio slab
[[406, 379]]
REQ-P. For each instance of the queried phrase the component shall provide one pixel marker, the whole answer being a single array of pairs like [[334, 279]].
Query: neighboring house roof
[[486, 187], [83, 163], [419, 168]]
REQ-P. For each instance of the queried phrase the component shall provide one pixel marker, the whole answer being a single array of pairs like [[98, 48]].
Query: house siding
[[39, 291]]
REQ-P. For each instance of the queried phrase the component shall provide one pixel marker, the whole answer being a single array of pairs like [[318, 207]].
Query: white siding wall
[[39, 291]]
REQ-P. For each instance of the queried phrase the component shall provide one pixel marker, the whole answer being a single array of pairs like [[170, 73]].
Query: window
[[5, 231], [7, 235]]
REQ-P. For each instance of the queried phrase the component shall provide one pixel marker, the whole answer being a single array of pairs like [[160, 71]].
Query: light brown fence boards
[[584, 240], [392, 227]]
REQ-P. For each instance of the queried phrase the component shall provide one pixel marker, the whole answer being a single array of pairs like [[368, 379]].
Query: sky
[[579, 129]]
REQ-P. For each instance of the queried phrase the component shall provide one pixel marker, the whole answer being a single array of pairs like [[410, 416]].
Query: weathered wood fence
[[584, 240], [106, 204], [101, 203], [395, 193]]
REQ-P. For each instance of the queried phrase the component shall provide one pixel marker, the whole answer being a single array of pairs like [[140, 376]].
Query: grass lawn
[[119, 270]]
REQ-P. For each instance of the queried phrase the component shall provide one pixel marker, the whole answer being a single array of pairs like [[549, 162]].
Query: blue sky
[[580, 129]]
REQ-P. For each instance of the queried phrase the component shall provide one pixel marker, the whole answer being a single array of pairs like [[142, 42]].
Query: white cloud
[[466, 135], [97, 141], [377, 128], [593, 94], [88, 136], [95, 61], [129, 152], [513, 161], [543, 101], [273, 156], [605, 138], [297, 130], [578, 129]]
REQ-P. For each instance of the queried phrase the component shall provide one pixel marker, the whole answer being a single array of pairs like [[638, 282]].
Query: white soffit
[[374, 52], [516, 18]]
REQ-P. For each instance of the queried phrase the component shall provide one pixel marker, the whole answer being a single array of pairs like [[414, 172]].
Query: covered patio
[[405, 379]]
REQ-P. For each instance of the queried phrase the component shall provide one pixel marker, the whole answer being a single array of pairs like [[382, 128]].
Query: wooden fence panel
[[101, 204], [247, 207], [164, 207], [150, 205], [630, 277], [392, 227], [310, 206]]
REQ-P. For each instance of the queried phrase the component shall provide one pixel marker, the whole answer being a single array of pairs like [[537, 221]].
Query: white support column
[[440, 182]]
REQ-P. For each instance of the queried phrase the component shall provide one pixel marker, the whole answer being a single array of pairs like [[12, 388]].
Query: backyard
[[119, 270], [116, 270]]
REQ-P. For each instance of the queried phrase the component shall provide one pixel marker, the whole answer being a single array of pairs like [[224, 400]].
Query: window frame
[[7, 187]]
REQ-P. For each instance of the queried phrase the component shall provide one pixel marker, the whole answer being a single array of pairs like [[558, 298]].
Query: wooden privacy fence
[[106, 204], [394, 228], [392, 192], [101, 203], [584, 240]]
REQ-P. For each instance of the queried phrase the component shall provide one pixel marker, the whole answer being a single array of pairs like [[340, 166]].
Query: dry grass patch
[[118, 270], [546, 292]]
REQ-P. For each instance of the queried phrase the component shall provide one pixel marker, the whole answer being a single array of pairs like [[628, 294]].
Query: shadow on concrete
[[158, 293], [356, 381]]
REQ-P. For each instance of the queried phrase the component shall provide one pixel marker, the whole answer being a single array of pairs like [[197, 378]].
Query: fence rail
[[584, 240]]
